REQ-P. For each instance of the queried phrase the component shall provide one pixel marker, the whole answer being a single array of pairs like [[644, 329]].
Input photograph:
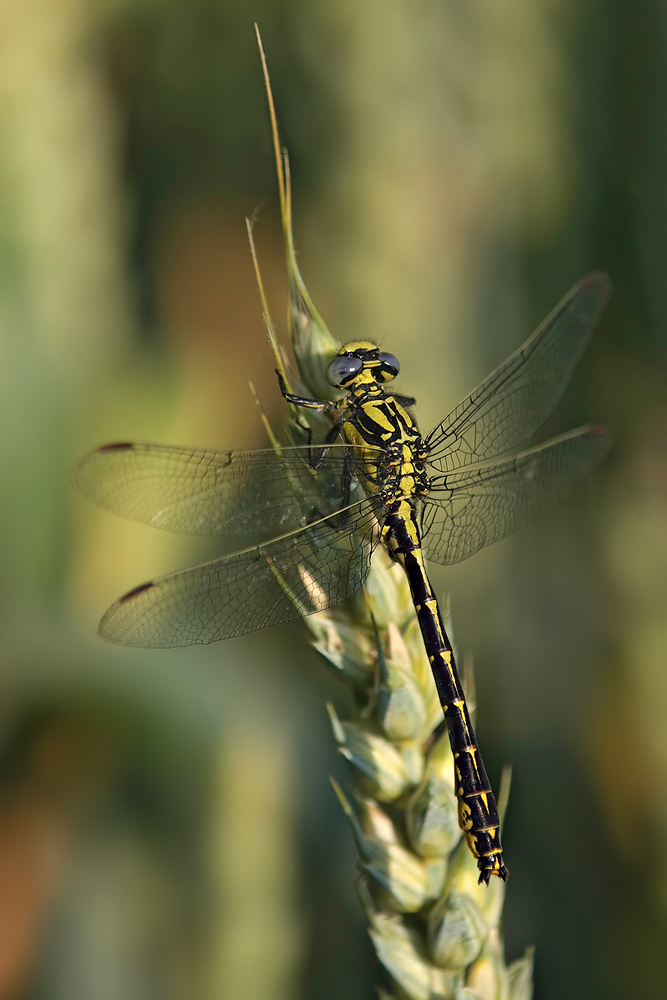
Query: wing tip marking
[[116, 446], [136, 591]]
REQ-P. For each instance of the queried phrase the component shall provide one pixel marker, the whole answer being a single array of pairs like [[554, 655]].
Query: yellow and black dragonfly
[[374, 480]]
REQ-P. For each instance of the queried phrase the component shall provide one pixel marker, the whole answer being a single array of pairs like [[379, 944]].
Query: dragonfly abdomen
[[477, 810]]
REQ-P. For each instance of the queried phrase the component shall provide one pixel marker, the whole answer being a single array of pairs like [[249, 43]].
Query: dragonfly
[[374, 480]]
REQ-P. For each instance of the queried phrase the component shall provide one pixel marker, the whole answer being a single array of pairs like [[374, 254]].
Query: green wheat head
[[435, 930]]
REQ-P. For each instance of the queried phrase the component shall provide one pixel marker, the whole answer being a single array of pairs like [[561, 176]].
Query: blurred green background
[[167, 829]]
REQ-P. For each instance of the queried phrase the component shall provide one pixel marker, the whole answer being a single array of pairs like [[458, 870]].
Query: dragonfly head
[[361, 363]]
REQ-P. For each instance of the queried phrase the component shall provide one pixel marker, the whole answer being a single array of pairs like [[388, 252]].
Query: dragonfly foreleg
[[321, 405]]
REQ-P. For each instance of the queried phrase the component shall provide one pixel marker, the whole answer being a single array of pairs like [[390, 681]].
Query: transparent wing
[[517, 397], [205, 492], [474, 507], [297, 574]]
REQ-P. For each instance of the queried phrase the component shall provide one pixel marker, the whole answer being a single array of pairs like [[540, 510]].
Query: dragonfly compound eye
[[342, 369], [390, 366]]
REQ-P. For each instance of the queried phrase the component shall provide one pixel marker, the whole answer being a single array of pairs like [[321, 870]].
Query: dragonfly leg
[[321, 405], [320, 451], [317, 456], [346, 492]]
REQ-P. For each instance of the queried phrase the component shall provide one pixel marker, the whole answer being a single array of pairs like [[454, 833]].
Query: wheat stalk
[[435, 930]]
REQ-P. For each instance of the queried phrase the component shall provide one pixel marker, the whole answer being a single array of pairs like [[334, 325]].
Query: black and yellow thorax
[[381, 427]]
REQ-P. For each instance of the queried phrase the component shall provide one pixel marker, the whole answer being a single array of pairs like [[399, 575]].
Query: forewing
[[517, 397], [471, 508], [297, 574], [205, 492]]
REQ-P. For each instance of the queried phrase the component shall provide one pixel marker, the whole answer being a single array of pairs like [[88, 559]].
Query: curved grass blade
[[312, 342]]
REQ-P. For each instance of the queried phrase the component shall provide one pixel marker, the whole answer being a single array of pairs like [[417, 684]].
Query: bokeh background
[[167, 829]]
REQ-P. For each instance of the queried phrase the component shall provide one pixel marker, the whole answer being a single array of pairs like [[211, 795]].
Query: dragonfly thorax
[[375, 420]]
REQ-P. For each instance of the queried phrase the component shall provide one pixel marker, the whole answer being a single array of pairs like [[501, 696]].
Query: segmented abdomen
[[477, 810]]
